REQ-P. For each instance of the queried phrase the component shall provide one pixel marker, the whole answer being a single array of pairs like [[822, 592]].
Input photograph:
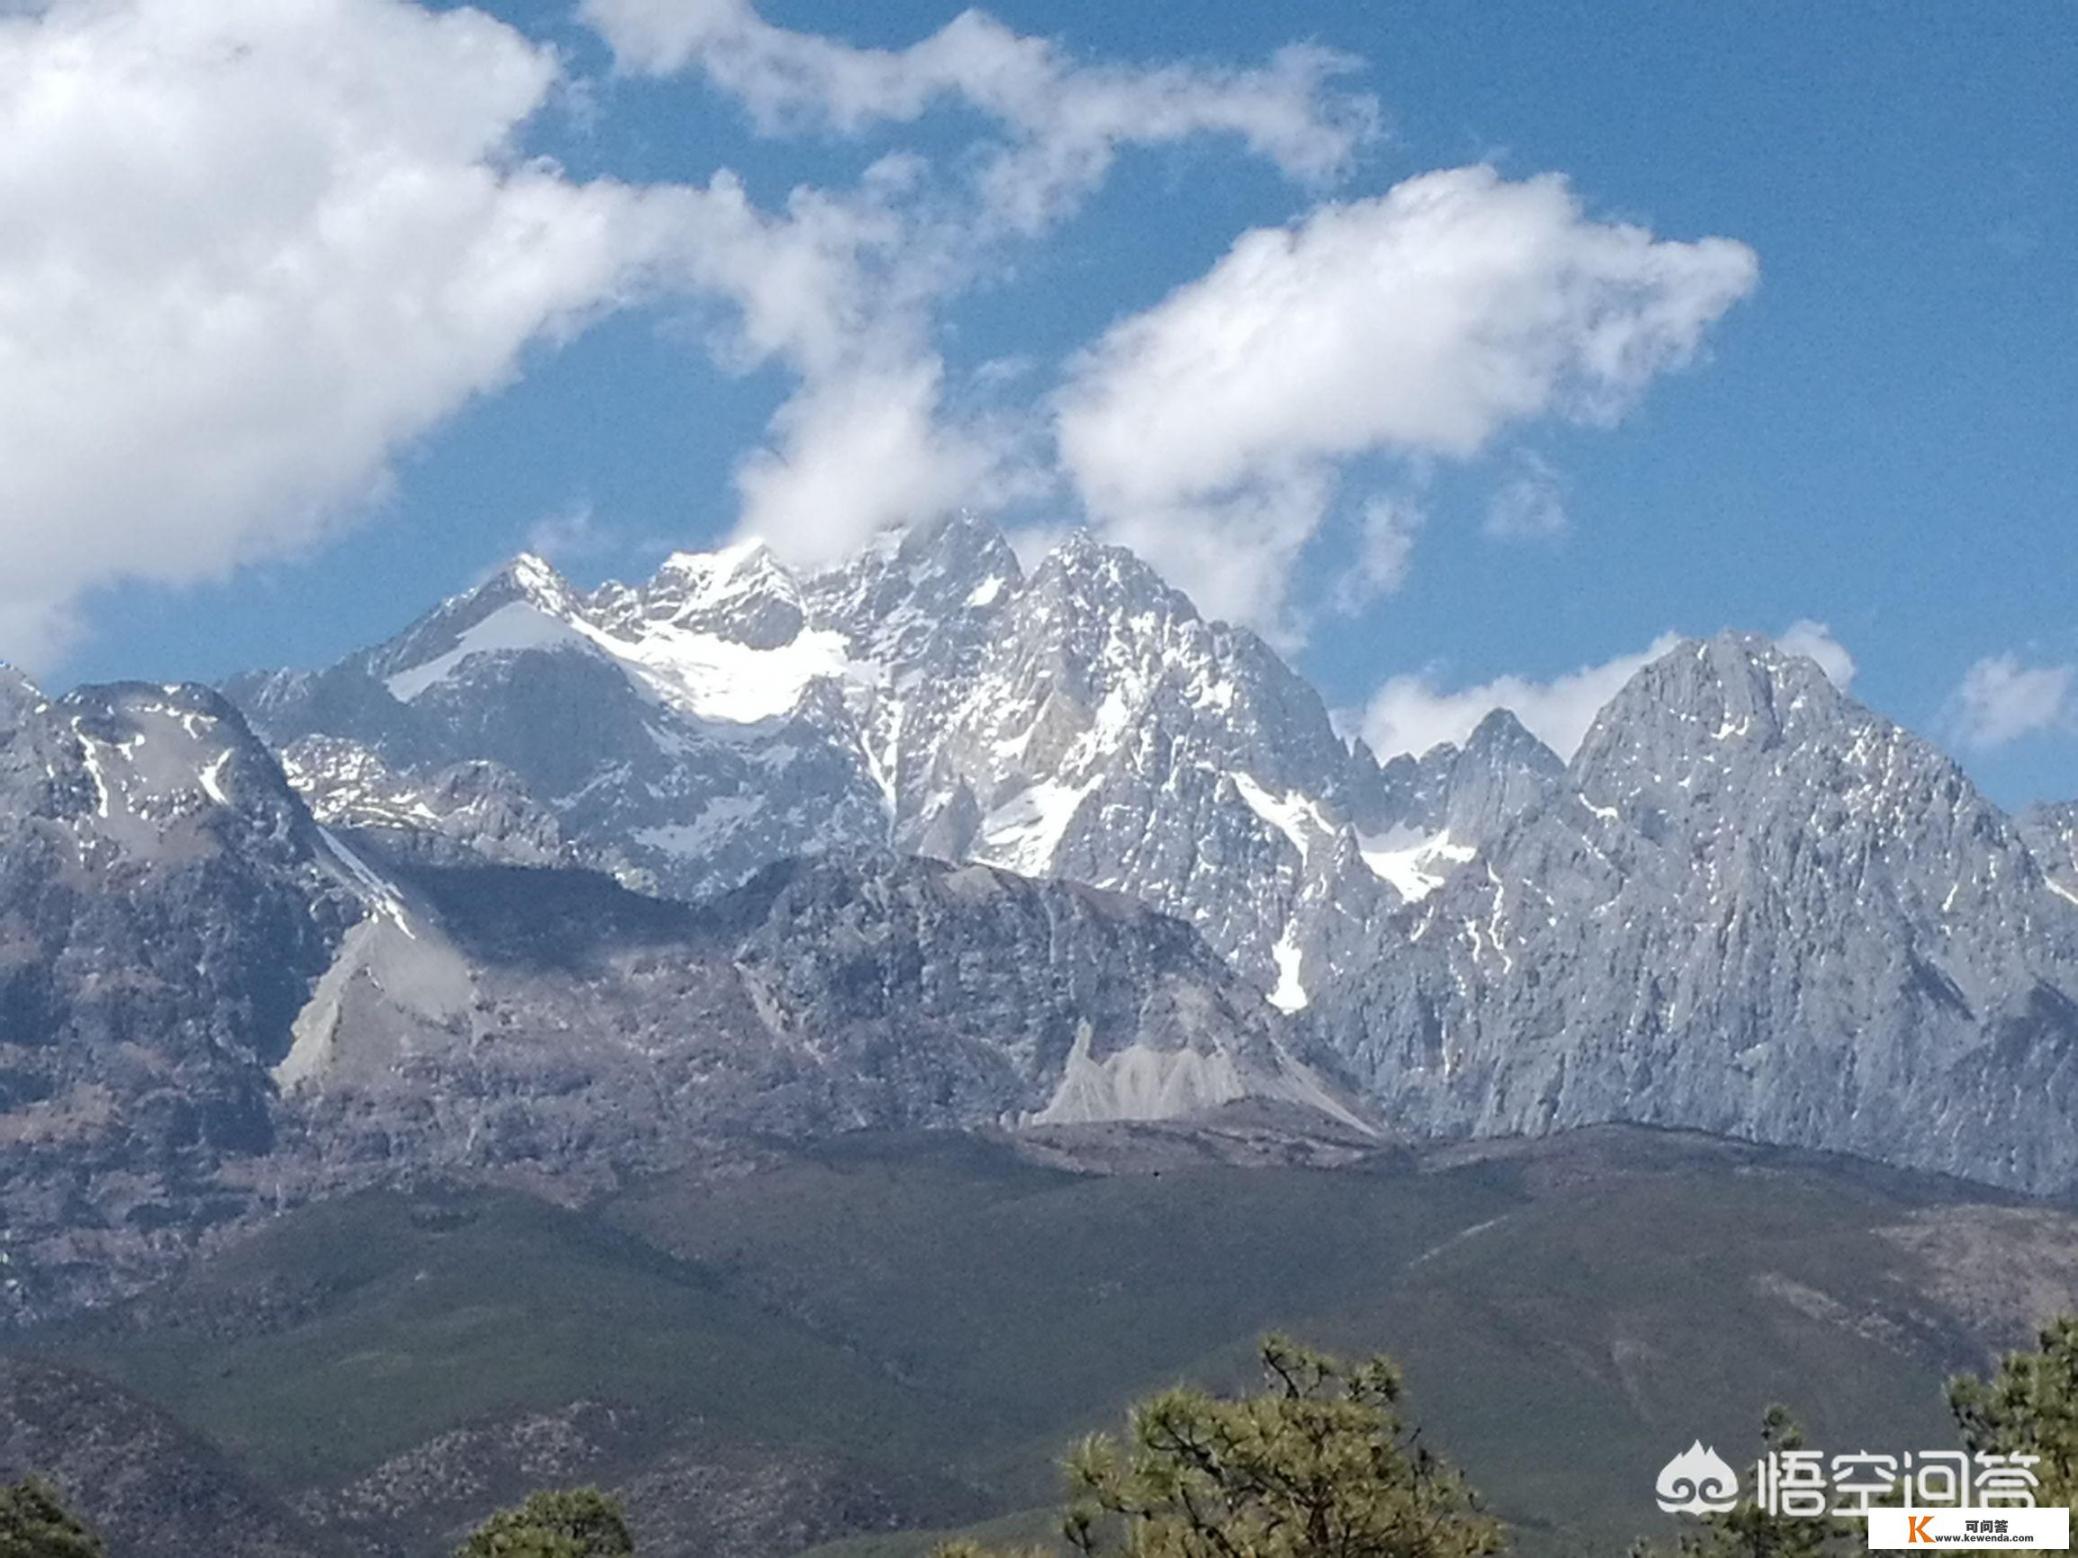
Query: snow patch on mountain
[[1291, 814], [1416, 863], [1289, 993], [519, 625], [1081, 721], [716, 679]]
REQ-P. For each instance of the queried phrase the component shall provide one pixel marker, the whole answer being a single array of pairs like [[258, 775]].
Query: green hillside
[[947, 1311]]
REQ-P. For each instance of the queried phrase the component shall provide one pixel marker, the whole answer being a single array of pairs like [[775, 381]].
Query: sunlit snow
[[1415, 863]]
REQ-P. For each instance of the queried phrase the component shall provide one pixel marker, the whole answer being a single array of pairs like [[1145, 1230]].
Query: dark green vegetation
[[885, 1333], [561, 1523], [1322, 1461], [2030, 1406], [34, 1523]]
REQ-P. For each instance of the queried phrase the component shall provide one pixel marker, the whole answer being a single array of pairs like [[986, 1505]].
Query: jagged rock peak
[[19, 696], [1738, 688], [1501, 772], [527, 578], [738, 560], [2051, 832], [535, 575], [1099, 576], [742, 593], [1502, 736]]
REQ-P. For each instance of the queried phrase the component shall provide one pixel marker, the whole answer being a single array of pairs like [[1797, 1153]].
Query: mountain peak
[[958, 558], [1107, 577], [957, 530], [16, 690], [740, 592], [746, 558], [1731, 687], [1502, 733], [1500, 772], [1734, 656], [532, 578]]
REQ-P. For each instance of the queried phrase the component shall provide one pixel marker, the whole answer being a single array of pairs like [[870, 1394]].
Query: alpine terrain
[[558, 888], [1747, 905]]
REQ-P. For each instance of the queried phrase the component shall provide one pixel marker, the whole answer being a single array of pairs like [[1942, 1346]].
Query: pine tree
[[34, 1523], [2028, 1407], [567, 1523], [1321, 1463]]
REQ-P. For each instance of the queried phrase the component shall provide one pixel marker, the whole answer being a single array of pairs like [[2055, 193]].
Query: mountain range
[[217, 1006], [556, 885]]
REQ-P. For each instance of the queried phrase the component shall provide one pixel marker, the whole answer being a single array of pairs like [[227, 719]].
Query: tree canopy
[[2028, 1407], [34, 1523], [564, 1523], [1319, 1463]]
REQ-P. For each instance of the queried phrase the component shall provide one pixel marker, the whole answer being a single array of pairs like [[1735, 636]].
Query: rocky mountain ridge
[[1049, 848], [1748, 904], [1082, 721], [1754, 907], [2051, 832], [212, 1005]]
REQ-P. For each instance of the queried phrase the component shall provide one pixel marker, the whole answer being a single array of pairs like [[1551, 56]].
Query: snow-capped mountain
[[1748, 904], [211, 1001], [1752, 907], [165, 904], [971, 844], [1082, 722], [669, 740]]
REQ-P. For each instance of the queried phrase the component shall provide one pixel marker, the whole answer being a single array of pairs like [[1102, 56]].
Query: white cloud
[[2001, 699], [812, 286], [250, 248], [1413, 713], [1530, 505], [247, 249], [1422, 322], [1221, 551], [569, 534], [844, 289], [837, 288], [1386, 529], [1815, 641], [856, 451], [1061, 122]]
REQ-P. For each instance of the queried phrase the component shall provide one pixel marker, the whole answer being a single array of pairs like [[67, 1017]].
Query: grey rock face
[[669, 741], [555, 1024], [210, 1004], [1755, 908], [2052, 833], [463, 814], [1748, 905], [165, 903], [1082, 723], [1501, 772]]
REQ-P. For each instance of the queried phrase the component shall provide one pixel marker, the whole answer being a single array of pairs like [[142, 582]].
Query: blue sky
[[1877, 436]]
